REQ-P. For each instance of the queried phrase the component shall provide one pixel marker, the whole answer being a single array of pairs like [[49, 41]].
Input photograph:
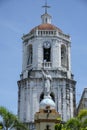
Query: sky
[[18, 17]]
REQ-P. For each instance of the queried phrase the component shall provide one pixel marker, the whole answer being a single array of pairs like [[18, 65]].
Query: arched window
[[51, 94], [41, 96], [47, 52], [30, 53], [63, 56], [47, 55]]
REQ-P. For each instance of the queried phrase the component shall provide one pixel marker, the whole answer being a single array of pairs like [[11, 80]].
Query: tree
[[82, 117], [79, 122], [61, 125], [73, 124], [9, 120], [58, 126], [1, 126], [76, 123]]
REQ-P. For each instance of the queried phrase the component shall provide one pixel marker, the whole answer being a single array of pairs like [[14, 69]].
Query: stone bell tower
[[46, 47]]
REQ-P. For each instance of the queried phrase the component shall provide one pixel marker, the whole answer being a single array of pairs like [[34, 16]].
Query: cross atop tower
[[46, 6]]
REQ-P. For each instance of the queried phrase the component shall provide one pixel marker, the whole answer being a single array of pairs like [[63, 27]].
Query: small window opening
[[46, 20], [63, 56], [47, 54]]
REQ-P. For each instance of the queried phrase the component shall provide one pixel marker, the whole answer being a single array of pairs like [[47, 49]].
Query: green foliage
[[9, 120], [58, 126], [77, 123], [1, 126], [82, 117], [59, 118], [82, 114], [73, 124], [84, 123]]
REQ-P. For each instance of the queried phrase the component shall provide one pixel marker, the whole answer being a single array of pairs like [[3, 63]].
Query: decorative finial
[[46, 6]]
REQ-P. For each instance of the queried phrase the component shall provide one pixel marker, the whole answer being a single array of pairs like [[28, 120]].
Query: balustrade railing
[[47, 64]]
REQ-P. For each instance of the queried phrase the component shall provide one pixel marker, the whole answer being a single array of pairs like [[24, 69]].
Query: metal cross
[[46, 6]]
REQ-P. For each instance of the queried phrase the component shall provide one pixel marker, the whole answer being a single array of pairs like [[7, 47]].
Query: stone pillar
[[69, 58], [69, 63], [59, 55]]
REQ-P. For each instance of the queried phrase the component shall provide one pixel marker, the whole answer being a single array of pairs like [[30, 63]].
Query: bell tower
[[46, 48]]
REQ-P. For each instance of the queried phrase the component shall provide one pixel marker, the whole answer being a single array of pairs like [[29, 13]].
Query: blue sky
[[18, 17]]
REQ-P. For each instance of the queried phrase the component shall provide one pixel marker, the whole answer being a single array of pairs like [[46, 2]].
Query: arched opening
[[47, 55], [46, 51], [63, 56], [29, 54], [52, 96], [41, 96]]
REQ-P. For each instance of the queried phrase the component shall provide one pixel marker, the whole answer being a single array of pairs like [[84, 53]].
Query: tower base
[[46, 119]]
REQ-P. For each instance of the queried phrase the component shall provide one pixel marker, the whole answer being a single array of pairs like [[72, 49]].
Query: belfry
[[46, 75]]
